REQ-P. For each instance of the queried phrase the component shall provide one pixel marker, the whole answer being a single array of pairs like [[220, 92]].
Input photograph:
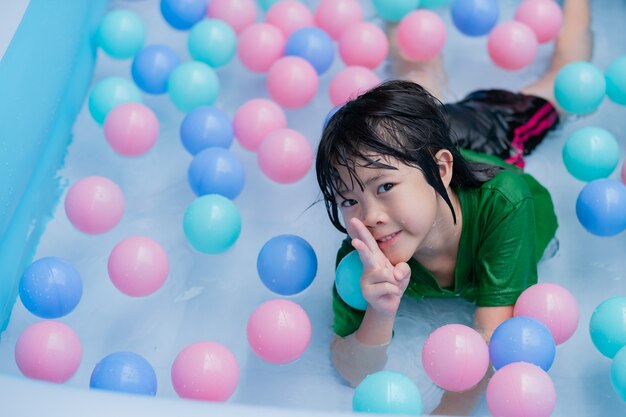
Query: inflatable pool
[[49, 140]]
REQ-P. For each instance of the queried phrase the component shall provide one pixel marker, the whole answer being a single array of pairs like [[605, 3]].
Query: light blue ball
[[212, 224], [615, 76], [387, 392], [395, 10], [618, 373], [213, 42], [152, 67], [193, 84], [348, 281], [591, 153], [601, 207], [216, 171], [475, 17], [121, 34], [607, 326], [206, 127], [124, 372], [267, 4], [579, 87], [183, 14], [109, 93], [314, 45], [433, 4]]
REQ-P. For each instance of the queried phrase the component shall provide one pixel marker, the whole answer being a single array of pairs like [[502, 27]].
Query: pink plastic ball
[[350, 82], [553, 306], [421, 35], [334, 16], [455, 357], [521, 389], [138, 266], [512, 45], [94, 205], [49, 351], [131, 129], [285, 156], [279, 331], [237, 13], [544, 17], [292, 82], [205, 371], [364, 44], [259, 46], [255, 119], [289, 16]]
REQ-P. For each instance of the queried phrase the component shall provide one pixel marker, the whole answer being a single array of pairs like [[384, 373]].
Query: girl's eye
[[385, 187], [347, 203]]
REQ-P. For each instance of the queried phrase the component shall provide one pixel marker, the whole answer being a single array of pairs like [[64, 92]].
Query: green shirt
[[507, 224]]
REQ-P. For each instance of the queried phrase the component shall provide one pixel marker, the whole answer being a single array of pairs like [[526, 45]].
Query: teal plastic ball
[[387, 392], [109, 93], [433, 4], [213, 42], [579, 87], [618, 373], [212, 224], [395, 10], [121, 34], [591, 153], [615, 76], [348, 281], [193, 84], [607, 326]]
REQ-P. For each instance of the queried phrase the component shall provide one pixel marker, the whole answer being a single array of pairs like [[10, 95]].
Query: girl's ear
[[445, 162]]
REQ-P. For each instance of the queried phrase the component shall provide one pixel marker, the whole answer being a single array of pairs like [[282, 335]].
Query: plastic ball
[[48, 351], [213, 42], [237, 13], [334, 16], [285, 156], [544, 18], [618, 373], [287, 264], [421, 35], [138, 266], [512, 45], [255, 119], [292, 82], [387, 392], [193, 84], [314, 45], [110, 92], [260, 45], [364, 44], [131, 129], [279, 331], [607, 326], [206, 127], [212, 224], [216, 171], [50, 287], [395, 10], [121, 34], [124, 372], [266, 4], [455, 357], [289, 16], [205, 371], [579, 87], [330, 115], [475, 17], [601, 207], [623, 173], [552, 305], [433, 4], [522, 339], [183, 14], [615, 76], [350, 82], [94, 205], [521, 390], [152, 67], [591, 153], [348, 281]]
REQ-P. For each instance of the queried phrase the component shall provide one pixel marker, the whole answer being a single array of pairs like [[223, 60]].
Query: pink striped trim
[[542, 120]]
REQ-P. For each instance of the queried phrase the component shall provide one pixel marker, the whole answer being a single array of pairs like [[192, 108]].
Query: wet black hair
[[396, 119]]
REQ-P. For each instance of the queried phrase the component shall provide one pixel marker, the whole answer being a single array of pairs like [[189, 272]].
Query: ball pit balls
[[544, 18], [287, 264], [421, 35], [289, 16], [213, 42], [110, 92], [364, 44], [266, 4], [512, 45], [395, 10], [50, 287], [121, 34], [348, 281], [618, 373], [183, 14], [615, 76], [579, 87], [591, 153], [94, 205], [138, 266], [334, 16], [475, 17], [239, 14], [285, 156], [292, 82], [607, 326], [206, 127], [279, 331], [131, 129], [193, 84], [314, 45], [433, 4], [49, 351], [152, 67], [205, 371], [212, 224], [350, 82], [601, 207], [387, 392], [259, 46], [124, 372], [216, 171], [254, 119], [455, 357]]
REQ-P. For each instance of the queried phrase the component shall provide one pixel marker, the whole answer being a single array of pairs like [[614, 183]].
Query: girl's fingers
[[367, 259], [401, 271], [365, 236]]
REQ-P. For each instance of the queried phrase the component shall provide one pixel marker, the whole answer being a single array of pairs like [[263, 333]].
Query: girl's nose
[[372, 214]]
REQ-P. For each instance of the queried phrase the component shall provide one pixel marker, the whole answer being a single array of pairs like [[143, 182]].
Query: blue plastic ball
[[387, 392], [213, 42], [183, 14], [601, 207], [121, 34], [395, 10], [591, 153], [193, 84], [607, 326], [475, 17], [216, 171], [124, 372], [615, 76], [618, 373], [212, 224], [50, 287], [152, 67], [522, 339], [313, 45], [206, 127], [330, 114], [348, 281], [109, 93], [287, 264], [579, 87]]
